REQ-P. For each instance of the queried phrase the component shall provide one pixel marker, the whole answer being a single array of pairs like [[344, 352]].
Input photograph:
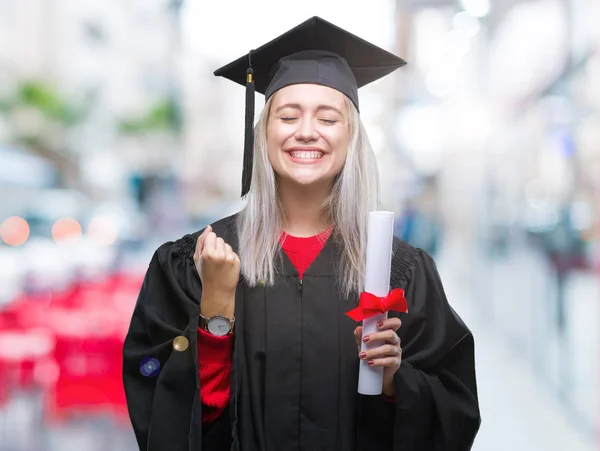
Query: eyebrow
[[297, 106]]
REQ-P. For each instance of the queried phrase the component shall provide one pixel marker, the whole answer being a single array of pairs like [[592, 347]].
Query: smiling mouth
[[306, 154]]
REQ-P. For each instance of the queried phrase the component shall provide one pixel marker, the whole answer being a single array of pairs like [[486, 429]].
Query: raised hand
[[219, 270]]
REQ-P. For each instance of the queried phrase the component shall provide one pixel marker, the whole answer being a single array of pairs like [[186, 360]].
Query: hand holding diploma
[[379, 344], [388, 355]]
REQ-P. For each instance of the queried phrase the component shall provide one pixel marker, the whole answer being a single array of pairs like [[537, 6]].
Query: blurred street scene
[[116, 137]]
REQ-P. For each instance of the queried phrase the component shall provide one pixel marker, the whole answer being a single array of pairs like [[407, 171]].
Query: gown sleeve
[[436, 406], [436, 391], [166, 303]]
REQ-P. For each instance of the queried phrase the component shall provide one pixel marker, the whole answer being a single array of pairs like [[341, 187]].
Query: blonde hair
[[354, 194]]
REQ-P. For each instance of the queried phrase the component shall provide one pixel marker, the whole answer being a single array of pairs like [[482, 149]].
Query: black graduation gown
[[295, 362]]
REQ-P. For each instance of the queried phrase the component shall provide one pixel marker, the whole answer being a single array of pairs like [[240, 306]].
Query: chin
[[304, 182], [312, 180]]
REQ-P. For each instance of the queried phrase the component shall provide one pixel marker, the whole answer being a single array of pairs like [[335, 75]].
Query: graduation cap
[[316, 52]]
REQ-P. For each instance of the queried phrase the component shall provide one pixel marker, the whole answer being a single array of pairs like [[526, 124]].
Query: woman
[[240, 338]]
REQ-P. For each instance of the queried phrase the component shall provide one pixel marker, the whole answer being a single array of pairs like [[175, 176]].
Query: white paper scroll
[[380, 236]]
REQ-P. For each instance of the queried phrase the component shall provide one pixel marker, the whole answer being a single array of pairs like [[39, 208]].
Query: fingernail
[[380, 324], [366, 339], [370, 362], [362, 355]]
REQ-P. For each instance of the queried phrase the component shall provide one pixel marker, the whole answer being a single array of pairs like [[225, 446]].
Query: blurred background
[[115, 137]]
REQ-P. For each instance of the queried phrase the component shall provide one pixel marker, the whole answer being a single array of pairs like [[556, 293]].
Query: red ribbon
[[370, 305]]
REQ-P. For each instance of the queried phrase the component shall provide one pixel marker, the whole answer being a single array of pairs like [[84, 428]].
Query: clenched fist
[[219, 270]]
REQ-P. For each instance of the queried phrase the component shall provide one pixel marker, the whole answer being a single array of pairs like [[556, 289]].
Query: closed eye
[[288, 119], [329, 121]]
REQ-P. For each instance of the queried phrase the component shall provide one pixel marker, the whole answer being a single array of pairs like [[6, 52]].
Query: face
[[307, 134]]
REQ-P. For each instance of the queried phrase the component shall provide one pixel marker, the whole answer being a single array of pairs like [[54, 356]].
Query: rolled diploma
[[380, 236]]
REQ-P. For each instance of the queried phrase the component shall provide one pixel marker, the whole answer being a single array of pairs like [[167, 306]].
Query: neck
[[301, 205]]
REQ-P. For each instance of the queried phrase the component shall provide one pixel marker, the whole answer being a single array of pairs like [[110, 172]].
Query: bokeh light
[[150, 367], [103, 231], [14, 231], [66, 230]]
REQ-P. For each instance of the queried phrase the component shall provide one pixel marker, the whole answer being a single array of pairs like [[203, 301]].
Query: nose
[[306, 131]]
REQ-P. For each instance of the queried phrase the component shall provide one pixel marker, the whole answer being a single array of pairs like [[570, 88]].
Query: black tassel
[[249, 131]]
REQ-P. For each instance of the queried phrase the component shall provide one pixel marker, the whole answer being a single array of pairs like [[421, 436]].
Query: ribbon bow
[[370, 305]]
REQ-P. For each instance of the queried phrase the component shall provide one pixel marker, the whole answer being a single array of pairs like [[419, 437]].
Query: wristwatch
[[217, 325]]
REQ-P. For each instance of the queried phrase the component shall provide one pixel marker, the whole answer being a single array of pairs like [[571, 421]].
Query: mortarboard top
[[315, 51]]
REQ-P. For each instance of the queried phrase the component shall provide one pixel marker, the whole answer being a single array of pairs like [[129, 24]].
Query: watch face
[[218, 326]]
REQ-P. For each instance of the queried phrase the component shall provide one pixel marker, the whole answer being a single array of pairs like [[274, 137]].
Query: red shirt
[[303, 251], [214, 360]]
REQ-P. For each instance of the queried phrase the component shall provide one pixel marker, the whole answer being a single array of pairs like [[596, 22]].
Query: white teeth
[[310, 155]]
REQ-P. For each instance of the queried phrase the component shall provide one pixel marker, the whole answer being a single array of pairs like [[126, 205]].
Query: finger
[[389, 323], [391, 362], [387, 336], [358, 332], [200, 241], [220, 248], [380, 352], [358, 335], [209, 244], [229, 254]]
